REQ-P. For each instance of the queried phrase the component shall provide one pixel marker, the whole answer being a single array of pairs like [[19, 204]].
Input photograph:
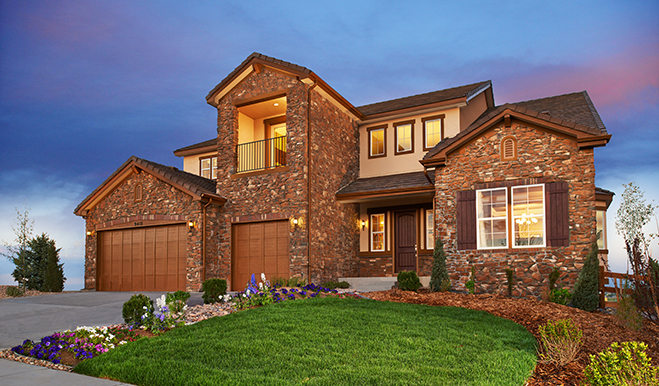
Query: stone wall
[[541, 154], [161, 204]]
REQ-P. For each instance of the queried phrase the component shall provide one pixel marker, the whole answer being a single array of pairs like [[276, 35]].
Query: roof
[[192, 184], [390, 185], [450, 94], [197, 148], [575, 112]]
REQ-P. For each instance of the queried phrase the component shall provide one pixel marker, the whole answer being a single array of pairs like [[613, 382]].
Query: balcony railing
[[261, 155]]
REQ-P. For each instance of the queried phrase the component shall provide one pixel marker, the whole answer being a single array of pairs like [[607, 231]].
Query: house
[[299, 182]]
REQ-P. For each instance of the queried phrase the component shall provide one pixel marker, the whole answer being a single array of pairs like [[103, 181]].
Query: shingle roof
[[199, 145], [424, 99], [390, 183], [575, 111], [194, 184]]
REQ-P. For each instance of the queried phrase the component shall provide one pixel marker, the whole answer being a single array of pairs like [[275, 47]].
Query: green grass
[[329, 341]]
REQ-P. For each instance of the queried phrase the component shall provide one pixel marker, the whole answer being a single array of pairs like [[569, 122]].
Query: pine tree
[[53, 276], [585, 294], [439, 272], [37, 258]]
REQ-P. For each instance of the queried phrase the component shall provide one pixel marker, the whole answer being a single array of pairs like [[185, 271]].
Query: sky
[[84, 85]]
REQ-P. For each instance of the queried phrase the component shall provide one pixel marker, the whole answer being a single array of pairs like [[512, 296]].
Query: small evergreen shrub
[[560, 296], [560, 342], [585, 294], [330, 284], [408, 281], [510, 276], [133, 309], [622, 364], [213, 289], [553, 278], [439, 273], [471, 283], [14, 291], [446, 285], [627, 315], [177, 300]]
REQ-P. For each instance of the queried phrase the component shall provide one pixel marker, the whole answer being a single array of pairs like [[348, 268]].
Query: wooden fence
[[619, 280]]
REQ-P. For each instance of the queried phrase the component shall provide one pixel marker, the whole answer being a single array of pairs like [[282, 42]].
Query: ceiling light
[[276, 104]]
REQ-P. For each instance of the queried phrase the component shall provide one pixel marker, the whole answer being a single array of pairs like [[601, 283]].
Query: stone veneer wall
[[334, 226], [541, 154], [161, 202], [283, 192]]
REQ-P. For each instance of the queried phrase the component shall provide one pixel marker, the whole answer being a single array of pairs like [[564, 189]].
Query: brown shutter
[[557, 218], [466, 219]]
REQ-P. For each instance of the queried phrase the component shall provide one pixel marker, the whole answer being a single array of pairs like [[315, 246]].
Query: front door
[[405, 234]]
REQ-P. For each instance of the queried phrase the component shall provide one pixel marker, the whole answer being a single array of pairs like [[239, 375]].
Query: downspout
[[309, 179], [203, 242]]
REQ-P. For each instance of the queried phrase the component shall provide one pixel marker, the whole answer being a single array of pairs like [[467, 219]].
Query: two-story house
[[299, 182]]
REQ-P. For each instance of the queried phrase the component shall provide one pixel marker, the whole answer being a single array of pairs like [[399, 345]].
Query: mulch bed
[[599, 329]]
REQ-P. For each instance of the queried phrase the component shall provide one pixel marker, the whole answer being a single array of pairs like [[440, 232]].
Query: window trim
[[384, 138], [396, 126], [478, 220], [439, 117], [543, 221], [212, 170], [383, 231]]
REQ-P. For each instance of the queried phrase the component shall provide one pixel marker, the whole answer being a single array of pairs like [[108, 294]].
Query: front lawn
[[329, 341]]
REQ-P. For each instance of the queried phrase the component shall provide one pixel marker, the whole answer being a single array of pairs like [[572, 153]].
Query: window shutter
[[466, 219], [557, 219]]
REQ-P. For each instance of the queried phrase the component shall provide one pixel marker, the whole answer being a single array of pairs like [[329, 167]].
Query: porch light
[[89, 233], [294, 221], [191, 224], [363, 224]]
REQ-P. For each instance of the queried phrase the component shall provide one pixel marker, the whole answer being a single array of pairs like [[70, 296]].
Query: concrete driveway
[[38, 316]]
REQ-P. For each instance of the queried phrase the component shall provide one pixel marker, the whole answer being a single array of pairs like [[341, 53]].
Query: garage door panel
[[259, 248]]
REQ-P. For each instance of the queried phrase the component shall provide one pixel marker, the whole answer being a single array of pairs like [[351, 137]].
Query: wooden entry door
[[405, 238]]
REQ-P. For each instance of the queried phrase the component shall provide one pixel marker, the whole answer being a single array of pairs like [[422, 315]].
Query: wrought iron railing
[[260, 155]]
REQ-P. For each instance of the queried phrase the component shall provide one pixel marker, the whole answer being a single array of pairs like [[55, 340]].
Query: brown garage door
[[142, 259], [259, 248]]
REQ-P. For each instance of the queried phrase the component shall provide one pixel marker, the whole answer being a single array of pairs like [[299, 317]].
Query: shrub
[[177, 300], [213, 289], [14, 291], [622, 364], [446, 285], [585, 294], [560, 342], [330, 284], [408, 281], [560, 296], [553, 278], [510, 276], [627, 315], [134, 308], [54, 279], [471, 283], [439, 273]]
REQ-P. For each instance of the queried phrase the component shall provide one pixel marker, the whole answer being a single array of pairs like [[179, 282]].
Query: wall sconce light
[[294, 221], [297, 222], [363, 224], [191, 224], [89, 233]]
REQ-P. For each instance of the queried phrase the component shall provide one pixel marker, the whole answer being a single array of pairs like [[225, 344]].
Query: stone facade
[[542, 155], [161, 204]]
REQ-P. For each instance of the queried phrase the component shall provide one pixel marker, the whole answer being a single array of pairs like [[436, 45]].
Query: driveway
[[37, 316]]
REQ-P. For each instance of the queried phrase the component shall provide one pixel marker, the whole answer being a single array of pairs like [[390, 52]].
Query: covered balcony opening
[[261, 135]]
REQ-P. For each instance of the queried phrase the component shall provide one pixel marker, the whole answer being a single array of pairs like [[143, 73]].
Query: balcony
[[261, 155]]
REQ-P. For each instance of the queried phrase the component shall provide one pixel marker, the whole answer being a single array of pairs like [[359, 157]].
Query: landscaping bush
[[585, 294], [553, 278], [439, 273], [133, 309], [330, 284], [290, 282], [622, 364], [471, 283], [177, 300], [510, 276], [213, 289], [560, 296], [627, 315], [14, 291], [560, 342], [446, 285], [408, 281]]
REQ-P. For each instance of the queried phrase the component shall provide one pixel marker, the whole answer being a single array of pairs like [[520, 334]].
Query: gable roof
[[196, 186], [571, 114], [450, 95]]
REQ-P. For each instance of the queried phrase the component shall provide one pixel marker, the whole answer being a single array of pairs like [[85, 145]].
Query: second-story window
[[377, 141], [208, 167], [404, 137], [433, 131]]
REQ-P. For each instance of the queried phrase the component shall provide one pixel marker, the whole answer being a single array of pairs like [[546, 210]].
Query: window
[[404, 137], [526, 208], [377, 232], [208, 167], [601, 229], [377, 141], [508, 149], [430, 229], [138, 193], [433, 131]]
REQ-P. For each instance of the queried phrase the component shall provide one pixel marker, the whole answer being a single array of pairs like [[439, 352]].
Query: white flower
[[161, 301], [248, 292], [263, 277], [261, 286]]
